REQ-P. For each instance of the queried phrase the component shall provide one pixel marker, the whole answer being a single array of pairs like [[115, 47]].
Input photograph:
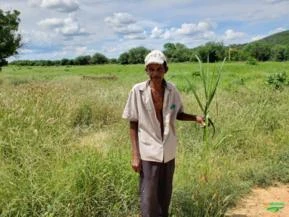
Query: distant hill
[[280, 38]]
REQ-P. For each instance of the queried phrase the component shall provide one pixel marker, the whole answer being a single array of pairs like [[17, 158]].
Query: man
[[152, 108]]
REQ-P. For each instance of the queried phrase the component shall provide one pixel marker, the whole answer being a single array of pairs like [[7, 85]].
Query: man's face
[[156, 71]]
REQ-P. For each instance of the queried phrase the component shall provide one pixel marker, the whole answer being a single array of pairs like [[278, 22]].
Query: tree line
[[177, 52]]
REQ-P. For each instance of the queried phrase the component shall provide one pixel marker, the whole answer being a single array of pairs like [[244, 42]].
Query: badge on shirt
[[173, 107]]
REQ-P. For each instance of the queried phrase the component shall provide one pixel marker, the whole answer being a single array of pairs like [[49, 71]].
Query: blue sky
[[56, 29]]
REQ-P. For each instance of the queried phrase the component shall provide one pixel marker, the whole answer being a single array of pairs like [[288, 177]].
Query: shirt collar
[[167, 86]]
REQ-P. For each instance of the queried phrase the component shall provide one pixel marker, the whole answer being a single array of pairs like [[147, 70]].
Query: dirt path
[[257, 202]]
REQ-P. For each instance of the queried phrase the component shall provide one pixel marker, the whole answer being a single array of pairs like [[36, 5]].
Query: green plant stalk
[[210, 85]]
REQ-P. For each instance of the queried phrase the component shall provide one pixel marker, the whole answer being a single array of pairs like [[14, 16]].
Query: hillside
[[280, 38]]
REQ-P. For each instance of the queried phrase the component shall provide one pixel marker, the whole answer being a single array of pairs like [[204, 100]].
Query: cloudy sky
[[56, 29]]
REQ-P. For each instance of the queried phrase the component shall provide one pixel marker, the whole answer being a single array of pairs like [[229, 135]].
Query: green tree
[[137, 55], [82, 60], [64, 62], [169, 51], [260, 51], [279, 53], [113, 60], [10, 40], [123, 58], [177, 52], [212, 52], [99, 58]]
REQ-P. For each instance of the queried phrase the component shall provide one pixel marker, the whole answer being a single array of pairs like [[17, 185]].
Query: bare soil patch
[[257, 202]]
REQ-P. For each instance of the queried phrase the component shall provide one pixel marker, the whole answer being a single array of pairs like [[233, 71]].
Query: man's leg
[[149, 181], [165, 187]]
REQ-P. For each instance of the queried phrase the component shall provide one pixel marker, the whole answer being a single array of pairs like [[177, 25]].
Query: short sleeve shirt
[[140, 108]]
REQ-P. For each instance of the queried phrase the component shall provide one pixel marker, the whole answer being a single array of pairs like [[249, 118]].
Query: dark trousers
[[156, 188]]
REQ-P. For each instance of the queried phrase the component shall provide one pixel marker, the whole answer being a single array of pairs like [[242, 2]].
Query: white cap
[[155, 56]]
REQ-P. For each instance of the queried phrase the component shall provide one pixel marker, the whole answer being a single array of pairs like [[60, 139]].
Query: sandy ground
[[257, 202]]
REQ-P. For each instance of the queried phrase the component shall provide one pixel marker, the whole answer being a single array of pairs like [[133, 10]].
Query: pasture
[[65, 151]]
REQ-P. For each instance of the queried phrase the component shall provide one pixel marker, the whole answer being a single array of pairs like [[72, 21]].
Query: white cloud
[[209, 35], [129, 29], [276, 1], [81, 50], [38, 37], [230, 35], [51, 23], [120, 20], [127, 25], [67, 27], [157, 33], [199, 31], [192, 28], [136, 36], [257, 37], [280, 29], [274, 31], [34, 3], [59, 5]]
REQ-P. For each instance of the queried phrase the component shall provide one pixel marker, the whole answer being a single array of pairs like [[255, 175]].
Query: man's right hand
[[136, 164]]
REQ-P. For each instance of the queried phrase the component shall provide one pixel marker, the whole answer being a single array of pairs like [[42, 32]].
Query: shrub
[[278, 80], [251, 61]]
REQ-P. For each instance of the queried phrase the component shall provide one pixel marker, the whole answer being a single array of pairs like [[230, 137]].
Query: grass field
[[65, 151]]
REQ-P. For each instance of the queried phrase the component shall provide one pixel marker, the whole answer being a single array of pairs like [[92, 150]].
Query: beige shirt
[[140, 108]]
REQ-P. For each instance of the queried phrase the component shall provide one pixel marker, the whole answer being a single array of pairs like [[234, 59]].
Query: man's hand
[[201, 120], [136, 164]]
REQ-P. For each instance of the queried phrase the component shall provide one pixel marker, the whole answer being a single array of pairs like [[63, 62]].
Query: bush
[[252, 61], [278, 80]]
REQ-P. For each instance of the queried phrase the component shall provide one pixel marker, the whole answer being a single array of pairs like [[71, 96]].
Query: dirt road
[[257, 202]]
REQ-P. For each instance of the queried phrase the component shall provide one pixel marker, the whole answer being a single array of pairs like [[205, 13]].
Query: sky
[[56, 29]]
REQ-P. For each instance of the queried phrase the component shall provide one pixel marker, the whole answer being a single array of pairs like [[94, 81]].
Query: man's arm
[[182, 116], [135, 158]]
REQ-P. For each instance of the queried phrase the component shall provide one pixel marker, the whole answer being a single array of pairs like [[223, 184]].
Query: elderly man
[[152, 108]]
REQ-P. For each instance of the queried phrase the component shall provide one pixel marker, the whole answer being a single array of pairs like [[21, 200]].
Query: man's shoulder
[[171, 86], [140, 86]]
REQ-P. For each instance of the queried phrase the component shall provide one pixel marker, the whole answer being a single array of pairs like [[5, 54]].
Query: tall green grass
[[64, 150]]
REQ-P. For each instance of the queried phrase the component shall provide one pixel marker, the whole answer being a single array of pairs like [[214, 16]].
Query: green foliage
[[10, 40], [258, 50], [280, 53], [210, 84], [211, 52], [177, 52], [82, 60], [123, 58], [280, 38], [278, 80], [98, 58], [137, 55], [133, 56], [251, 61]]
